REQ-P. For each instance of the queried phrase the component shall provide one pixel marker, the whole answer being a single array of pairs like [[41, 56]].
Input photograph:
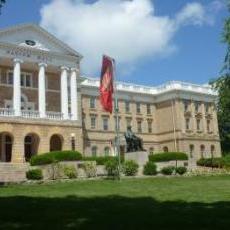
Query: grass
[[154, 203]]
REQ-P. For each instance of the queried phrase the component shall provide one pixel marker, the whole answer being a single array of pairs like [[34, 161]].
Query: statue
[[133, 142]]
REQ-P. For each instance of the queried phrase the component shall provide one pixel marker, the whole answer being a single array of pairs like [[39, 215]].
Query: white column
[[64, 92], [17, 87], [42, 90], [73, 91]]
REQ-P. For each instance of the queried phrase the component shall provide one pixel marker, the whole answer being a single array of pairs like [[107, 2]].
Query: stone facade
[[173, 117]]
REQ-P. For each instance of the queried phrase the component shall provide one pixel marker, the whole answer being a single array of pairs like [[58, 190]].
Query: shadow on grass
[[112, 212]]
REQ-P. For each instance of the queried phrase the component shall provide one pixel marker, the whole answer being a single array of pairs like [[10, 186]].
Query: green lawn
[[158, 203]]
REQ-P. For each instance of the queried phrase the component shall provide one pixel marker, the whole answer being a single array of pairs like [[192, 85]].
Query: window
[[93, 122], [150, 126], [197, 107], [208, 126], [10, 79], [186, 106], [165, 149], [92, 102], [148, 106], [202, 149], [26, 79], [187, 123], [107, 151], [151, 150], [139, 126], [198, 124], [105, 124], [127, 106], [128, 122], [212, 150], [138, 107], [191, 150], [94, 151]]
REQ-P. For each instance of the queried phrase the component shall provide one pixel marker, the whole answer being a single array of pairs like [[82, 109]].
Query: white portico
[[31, 47]]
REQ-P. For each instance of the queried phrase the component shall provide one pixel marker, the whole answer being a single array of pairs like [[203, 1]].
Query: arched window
[[165, 149], [151, 150], [212, 150], [191, 150], [107, 151], [202, 149], [94, 151]]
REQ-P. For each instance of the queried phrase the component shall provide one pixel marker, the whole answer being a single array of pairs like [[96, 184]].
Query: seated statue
[[133, 142]]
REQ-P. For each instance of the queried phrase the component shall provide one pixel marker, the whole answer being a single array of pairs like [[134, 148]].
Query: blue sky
[[197, 52]]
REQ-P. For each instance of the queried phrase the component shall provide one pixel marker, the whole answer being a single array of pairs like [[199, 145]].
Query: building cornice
[[169, 87]]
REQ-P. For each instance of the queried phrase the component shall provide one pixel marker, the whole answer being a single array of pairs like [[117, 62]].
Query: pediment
[[34, 36]]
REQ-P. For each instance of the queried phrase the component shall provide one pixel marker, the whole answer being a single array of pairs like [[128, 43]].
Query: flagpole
[[117, 142]]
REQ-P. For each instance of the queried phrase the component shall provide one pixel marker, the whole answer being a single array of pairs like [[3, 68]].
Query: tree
[[222, 85], [2, 2]]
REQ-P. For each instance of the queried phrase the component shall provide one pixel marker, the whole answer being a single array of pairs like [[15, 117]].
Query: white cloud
[[125, 30]]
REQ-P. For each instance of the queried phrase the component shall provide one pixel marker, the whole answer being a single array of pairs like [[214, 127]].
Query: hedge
[[170, 156], [101, 160], [218, 162], [210, 162], [56, 156]]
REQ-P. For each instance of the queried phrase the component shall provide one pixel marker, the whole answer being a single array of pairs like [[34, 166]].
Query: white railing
[[30, 114], [6, 112], [33, 114], [172, 85], [54, 115]]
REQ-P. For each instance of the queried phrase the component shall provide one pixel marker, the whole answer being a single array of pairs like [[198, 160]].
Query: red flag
[[106, 84]]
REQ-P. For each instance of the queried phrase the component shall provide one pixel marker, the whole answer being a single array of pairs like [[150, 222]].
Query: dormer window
[[30, 42]]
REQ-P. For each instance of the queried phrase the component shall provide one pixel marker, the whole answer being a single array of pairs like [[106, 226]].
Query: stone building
[[45, 105]]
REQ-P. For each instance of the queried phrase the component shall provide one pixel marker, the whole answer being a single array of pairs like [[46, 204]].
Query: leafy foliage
[[90, 169], [70, 171], [221, 162], [162, 157], [100, 160], [210, 162], [130, 168], [111, 167], [222, 85], [181, 170], [34, 174], [169, 170], [56, 156], [150, 168]]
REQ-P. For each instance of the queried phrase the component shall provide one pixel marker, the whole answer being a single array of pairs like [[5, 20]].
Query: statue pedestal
[[141, 158]]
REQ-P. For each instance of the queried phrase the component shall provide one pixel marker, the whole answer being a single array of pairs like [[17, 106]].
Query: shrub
[[70, 171], [162, 157], [150, 168], [102, 159], [181, 170], [90, 169], [111, 167], [211, 162], [56, 156], [130, 168], [168, 170], [34, 174]]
